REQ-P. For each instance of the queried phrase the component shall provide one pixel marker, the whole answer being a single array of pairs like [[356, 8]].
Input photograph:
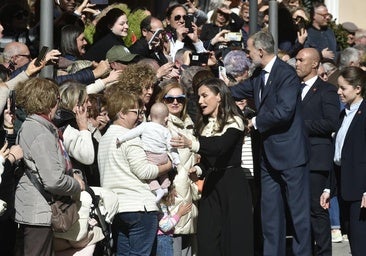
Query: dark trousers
[[280, 188], [320, 221], [225, 224], [34, 241], [356, 217]]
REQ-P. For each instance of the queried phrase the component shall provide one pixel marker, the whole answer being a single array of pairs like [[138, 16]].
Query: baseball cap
[[120, 53]]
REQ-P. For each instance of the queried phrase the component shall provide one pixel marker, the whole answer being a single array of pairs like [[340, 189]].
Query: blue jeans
[[334, 213], [164, 245], [136, 232]]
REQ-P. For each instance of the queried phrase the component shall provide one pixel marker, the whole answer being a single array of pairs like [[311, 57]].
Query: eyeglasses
[[326, 15], [178, 17], [170, 99], [24, 55], [138, 112], [324, 74]]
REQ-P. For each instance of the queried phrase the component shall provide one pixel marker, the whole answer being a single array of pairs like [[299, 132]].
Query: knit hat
[[120, 53], [350, 27]]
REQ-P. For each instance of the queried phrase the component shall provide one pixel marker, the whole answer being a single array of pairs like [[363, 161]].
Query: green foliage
[[89, 31], [134, 20], [340, 34]]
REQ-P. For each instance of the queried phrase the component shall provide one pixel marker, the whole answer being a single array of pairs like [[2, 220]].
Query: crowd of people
[[211, 142]]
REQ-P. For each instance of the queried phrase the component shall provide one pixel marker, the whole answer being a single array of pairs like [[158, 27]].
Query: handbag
[[64, 214], [64, 209]]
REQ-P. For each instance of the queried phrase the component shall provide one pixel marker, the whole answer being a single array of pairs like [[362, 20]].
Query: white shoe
[[345, 238], [336, 236]]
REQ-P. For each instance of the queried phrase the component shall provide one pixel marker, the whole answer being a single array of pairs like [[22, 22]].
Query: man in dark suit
[[320, 105], [284, 147], [148, 27]]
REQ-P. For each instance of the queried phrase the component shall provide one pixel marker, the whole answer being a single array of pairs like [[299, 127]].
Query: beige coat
[[187, 191]]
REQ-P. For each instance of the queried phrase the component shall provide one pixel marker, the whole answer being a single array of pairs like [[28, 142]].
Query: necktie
[[303, 92], [263, 82]]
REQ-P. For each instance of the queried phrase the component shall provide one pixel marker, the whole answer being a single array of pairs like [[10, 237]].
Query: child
[[156, 138], [167, 222]]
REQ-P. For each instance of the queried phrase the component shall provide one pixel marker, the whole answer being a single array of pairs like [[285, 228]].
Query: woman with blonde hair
[[173, 96]]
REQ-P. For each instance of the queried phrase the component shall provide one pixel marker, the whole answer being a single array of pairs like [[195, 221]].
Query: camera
[[199, 59]]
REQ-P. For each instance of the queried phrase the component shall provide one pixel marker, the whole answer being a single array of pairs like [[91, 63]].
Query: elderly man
[[16, 55]]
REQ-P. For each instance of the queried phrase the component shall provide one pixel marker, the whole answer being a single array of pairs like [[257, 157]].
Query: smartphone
[[233, 36], [99, 2], [80, 99], [12, 102], [301, 23], [99, 105], [41, 56], [188, 23], [222, 72], [199, 59], [155, 36], [2, 137]]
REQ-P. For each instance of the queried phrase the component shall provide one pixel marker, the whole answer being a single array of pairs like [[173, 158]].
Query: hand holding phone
[[41, 56]]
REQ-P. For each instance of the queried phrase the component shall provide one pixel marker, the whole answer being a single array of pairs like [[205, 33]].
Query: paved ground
[[341, 249], [338, 249]]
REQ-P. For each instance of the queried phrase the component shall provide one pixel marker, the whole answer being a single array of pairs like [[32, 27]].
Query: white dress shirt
[[309, 83], [341, 135]]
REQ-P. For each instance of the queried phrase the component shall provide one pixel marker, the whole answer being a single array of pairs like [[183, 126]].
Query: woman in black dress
[[225, 215]]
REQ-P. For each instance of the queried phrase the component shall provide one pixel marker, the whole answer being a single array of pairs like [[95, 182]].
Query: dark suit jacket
[[353, 160], [321, 114], [141, 48], [99, 49], [279, 118]]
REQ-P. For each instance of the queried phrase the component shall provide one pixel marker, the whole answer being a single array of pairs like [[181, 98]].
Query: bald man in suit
[[320, 106]]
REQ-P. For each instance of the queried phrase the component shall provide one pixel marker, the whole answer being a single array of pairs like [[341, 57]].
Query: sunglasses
[[178, 17], [170, 99]]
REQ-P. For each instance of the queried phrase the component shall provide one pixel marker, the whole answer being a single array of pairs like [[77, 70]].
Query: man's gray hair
[[349, 55], [264, 40]]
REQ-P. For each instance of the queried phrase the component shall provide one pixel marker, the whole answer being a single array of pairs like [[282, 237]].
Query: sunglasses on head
[[170, 99], [178, 17]]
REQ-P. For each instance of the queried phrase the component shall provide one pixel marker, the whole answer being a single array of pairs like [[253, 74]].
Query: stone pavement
[[341, 249]]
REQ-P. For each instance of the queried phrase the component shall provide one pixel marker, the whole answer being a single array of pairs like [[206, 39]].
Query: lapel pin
[[359, 112]]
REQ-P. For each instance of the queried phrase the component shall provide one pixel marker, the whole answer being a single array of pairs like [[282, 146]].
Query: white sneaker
[[336, 236], [345, 238]]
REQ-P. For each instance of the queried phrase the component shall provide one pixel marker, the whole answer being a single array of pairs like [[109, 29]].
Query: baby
[[156, 138]]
